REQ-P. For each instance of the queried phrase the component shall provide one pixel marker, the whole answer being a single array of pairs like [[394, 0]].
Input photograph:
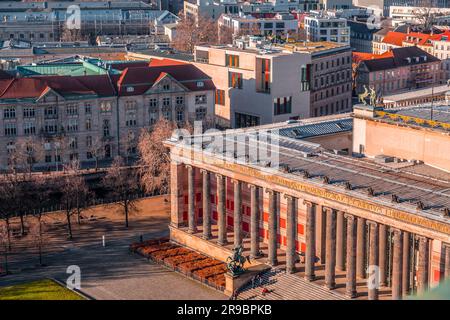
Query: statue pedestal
[[234, 283]]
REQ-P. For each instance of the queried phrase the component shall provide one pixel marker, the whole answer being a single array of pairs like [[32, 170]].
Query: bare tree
[[96, 148], [225, 35], [70, 35], [155, 157], [25, 154], [123, 183], [426, 14], [129, 145], [192, 32], [38, 236], [13, 200], [75, 194], [252, 30], [5, 245]]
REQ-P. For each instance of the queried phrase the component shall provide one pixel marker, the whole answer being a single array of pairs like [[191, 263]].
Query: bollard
[[103, 241]]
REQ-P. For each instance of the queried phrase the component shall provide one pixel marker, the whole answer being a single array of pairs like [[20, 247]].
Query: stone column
[[406, 263], [206, 197], [310, 254], [176, 194], [340, 241], [291, 223], [422, 277], [382, 254], [373, 261], [397, 259], [192, 228], [254, 222], [447, 261], [361, 248], [330, 249], [221, 212], [350, 288], [272, 257], [237, 219], [321, 230]]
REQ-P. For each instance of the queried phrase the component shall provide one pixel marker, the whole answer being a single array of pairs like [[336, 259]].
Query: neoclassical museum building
[[357, 203]]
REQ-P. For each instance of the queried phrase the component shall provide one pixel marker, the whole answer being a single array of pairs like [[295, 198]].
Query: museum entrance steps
[[276, 284]]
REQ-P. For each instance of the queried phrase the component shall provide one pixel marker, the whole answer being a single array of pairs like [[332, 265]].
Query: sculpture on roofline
[[362, 96], [373, 97]]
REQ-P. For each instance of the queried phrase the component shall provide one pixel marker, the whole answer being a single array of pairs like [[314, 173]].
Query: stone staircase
[[283, 286]]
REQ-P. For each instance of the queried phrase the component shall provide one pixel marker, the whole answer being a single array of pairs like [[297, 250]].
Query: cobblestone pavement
[[283, 286]]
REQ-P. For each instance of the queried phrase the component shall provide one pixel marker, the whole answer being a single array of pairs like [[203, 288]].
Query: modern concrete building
[[210, 8], [73, 117], [322, 27], [325, 218], [282, 24]]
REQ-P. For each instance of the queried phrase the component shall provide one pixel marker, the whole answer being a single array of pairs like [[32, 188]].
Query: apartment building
[[406, 68], [411, 15], [76, 117], [322, 27], [331, 77], [211, 9], [281, 24]]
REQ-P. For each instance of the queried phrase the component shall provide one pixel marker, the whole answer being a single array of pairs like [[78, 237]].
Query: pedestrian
[[264, 291], [259, 280], [253, 282]]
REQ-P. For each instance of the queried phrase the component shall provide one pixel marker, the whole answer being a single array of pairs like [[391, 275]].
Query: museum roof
[[413, 187]]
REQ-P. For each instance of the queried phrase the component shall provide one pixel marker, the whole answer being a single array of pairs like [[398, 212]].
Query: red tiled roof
[[361, 56], [142, 79], [394, 38], [154, 62], [34, 87]]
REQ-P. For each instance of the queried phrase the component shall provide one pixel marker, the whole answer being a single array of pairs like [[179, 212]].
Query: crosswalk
[[283, 286]]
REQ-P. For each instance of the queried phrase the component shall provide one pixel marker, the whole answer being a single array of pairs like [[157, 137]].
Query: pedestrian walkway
[[283, 286]]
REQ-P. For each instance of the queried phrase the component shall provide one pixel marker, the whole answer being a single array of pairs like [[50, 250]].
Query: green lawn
[[38, 290]]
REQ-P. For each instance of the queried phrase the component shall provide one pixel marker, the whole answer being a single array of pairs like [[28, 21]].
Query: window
[[245, 120], [180, 116], [73, 143], [88, 141], [200, 99], [9, 113], [29, 113], [263, 85], [166, 87], [130, 113], [106, 128], [235, 80], [87, 108], [220, 97], [282, 105], [51, 112], [29, 128], [105, 106], [232, 60], [48, 158], [72, 126], [179, 101], [166, 102], [167, 115], [200, 114], [305, 75], [153, 117], [88, 124], [72, 110], [153, 103], [10, 147], [10, 129], [50, 127]]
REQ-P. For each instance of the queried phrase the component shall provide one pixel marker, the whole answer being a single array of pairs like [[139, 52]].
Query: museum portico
[[332, 219]]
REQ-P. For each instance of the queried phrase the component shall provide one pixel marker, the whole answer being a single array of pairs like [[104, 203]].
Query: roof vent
[[394, 198], [420, 205]]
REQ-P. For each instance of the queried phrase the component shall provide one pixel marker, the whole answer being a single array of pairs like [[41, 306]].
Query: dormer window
[[200, 84], [130, 89], [166, 87]]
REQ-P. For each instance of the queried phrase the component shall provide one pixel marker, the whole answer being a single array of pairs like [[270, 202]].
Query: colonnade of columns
[[346, 246]]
